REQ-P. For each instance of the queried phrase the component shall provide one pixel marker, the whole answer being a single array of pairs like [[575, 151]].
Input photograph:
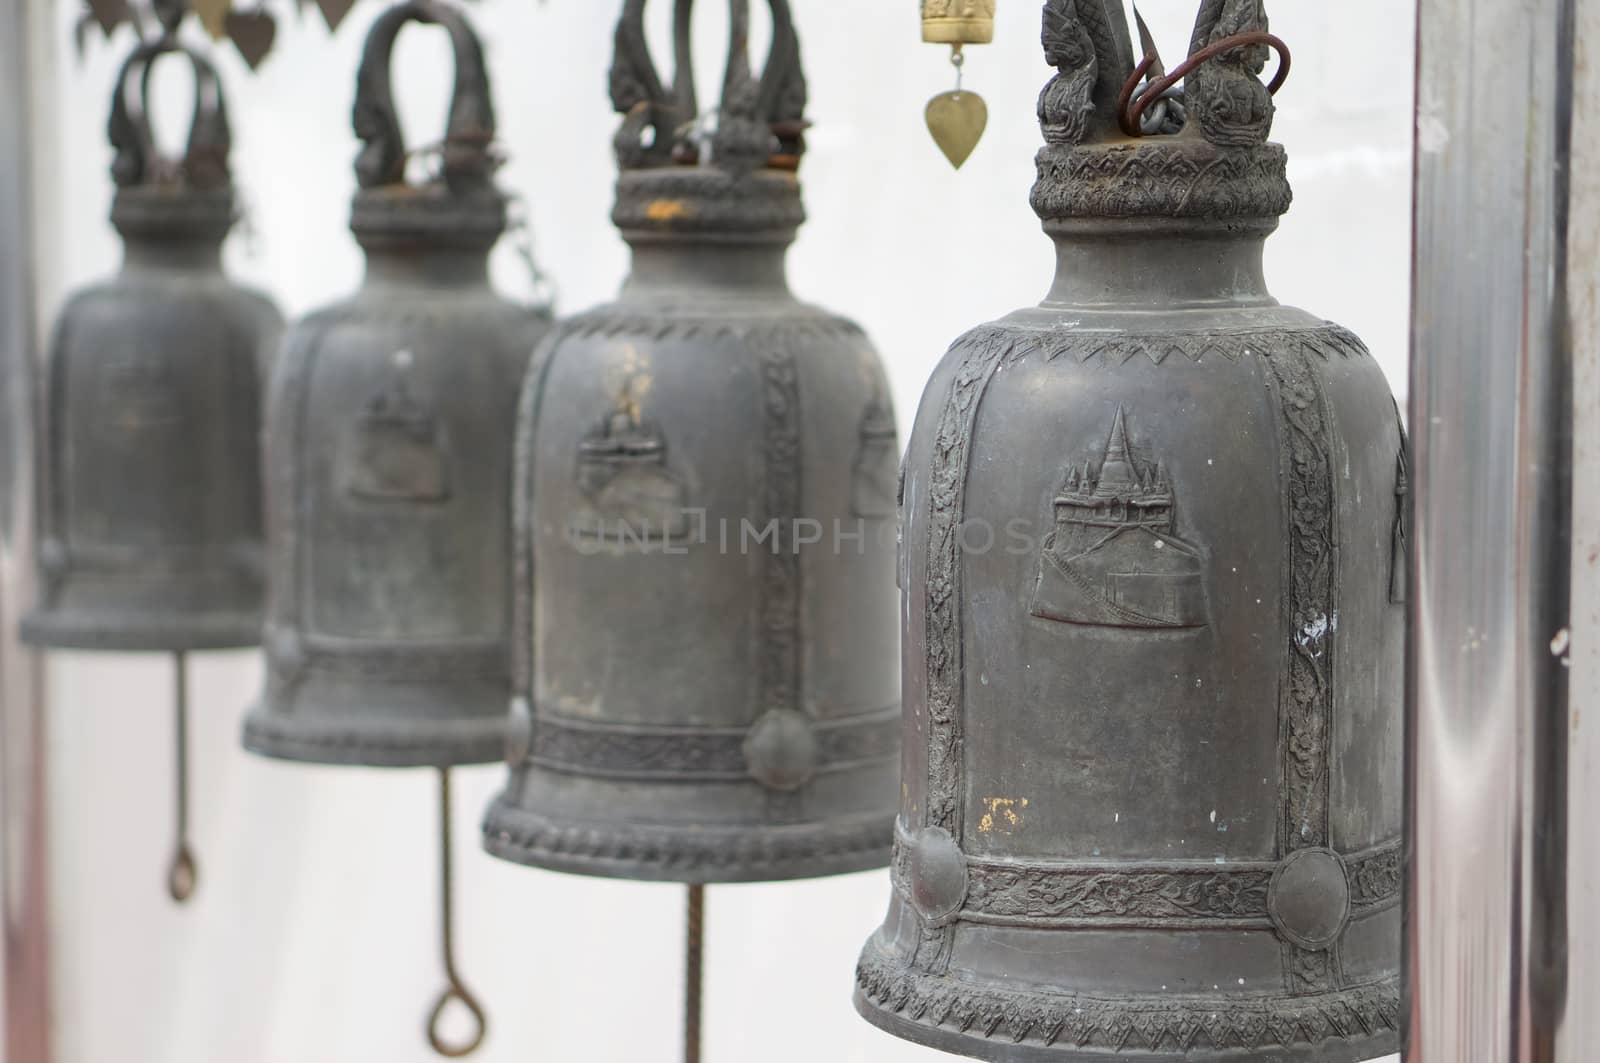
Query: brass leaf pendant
[[957, 121]]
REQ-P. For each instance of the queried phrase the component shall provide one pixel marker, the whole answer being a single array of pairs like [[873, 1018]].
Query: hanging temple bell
[[150, 509], [151, 536], [705, 632], [388, 455], [1153, 642]]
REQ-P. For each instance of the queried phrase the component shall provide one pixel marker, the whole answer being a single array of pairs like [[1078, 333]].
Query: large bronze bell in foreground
[[705, 615], [388, 451], [151, 511], [1153, 653]]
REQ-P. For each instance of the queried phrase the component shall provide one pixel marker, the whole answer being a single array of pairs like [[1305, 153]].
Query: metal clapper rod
[[183, 875], [455, 989], [694, 973]]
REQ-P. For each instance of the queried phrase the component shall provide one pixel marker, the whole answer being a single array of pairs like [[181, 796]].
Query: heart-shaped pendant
[[252, 33], [957, 121]]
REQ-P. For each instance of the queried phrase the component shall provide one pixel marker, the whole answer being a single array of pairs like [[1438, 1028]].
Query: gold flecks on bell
[[957, 119]]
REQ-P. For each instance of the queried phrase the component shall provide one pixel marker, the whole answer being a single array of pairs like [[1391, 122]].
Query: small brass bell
[[151, 512], [707, 468], [388, 456], [957, 119], [1154, 656]]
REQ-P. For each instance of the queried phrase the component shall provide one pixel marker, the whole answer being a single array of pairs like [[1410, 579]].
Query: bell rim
[[975, 1046], [351, 742], [997, 1046], [49, 628], [725, 855]]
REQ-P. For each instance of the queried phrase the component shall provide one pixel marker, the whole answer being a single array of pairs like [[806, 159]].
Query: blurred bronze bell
[[151, 535], [388, 459], [1153, 651], [706, 475]]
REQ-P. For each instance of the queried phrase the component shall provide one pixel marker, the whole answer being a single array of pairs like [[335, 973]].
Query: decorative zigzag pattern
[[1037, 1018]]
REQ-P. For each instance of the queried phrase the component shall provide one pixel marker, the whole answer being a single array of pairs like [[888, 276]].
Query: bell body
[[152, 512], [1153, 673], [707, 598], [388, 452]]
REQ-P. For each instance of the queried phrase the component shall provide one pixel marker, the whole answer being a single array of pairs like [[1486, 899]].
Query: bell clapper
[[694, 972], [183, 875], [455, 990]]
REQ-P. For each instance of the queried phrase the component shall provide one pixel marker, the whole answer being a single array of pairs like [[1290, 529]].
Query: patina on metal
[[706, 688], [388, 457], [1153, 646], [150, 513]]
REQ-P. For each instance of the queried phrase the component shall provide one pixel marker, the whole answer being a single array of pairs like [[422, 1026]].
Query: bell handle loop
[[470, 133], [1131, 107], [680, 106], [783, 58], [138, 161], [455, 989]]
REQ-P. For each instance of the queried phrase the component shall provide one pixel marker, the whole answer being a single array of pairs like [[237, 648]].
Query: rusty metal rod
[[455, 990], [694, 973], [184, 874]]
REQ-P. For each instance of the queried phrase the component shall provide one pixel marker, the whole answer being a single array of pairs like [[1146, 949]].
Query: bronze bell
[[150, 508], [388, 458], [1153, 653], [152, 512], [705, 628]]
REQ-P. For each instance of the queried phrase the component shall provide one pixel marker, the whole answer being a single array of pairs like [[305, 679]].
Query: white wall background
[[314, 939]]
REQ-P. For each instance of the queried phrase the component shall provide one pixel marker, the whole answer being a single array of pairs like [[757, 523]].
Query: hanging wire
[[694, 973], [455, 990], [183, 875]]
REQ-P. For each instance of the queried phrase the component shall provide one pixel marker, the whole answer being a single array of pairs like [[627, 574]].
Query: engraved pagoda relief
[[397, 451], [875, 477], [632, 498], [1114, 559]]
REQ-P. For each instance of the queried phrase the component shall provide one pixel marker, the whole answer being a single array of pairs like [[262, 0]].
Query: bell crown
[[725, 172], [458, 203], [187, 197], [1123, 139]]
